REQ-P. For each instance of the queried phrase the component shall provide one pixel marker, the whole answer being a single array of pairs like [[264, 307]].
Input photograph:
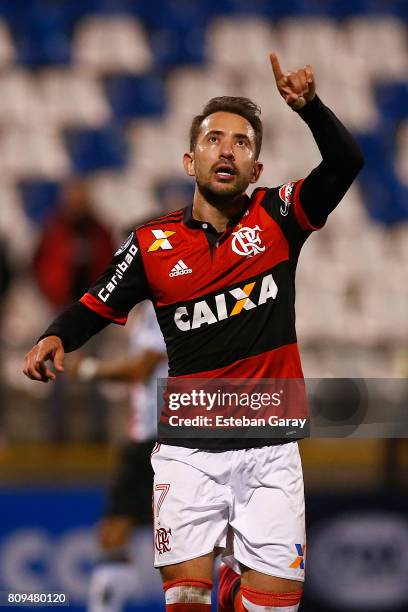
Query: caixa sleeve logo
[[226, 305], [285, 194]]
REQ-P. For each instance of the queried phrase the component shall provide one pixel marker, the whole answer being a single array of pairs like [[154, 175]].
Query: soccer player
[[115, 578], [221, 276]]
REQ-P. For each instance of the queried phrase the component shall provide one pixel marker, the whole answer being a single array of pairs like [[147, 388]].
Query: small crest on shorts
[[299, 562], [162, 540]]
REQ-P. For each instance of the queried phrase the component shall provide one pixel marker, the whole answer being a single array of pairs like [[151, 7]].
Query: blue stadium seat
[[276, 9], [343, 9], [39, 35], [296, 8], [386, 199], [14, 12], [93, 150], [177, 31], [136, 96], [175, 14], [40, 199], [72, 12], [392, 100], [178, 47], [377, 147], [400, 9]]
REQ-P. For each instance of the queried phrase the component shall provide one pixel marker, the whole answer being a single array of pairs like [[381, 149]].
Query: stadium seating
[[127, 52], [59, 87], [132, 96], [107, 88], [40, 37], [39, 198], [33, 152], [92, 150]]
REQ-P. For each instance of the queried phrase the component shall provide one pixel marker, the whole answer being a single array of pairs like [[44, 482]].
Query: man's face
[[224, 160]]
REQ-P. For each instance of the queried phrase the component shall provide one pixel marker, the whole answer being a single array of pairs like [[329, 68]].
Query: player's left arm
[[134, 368], [325, 186]]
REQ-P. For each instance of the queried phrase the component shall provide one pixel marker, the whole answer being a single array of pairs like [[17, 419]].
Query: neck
[[217, 213]]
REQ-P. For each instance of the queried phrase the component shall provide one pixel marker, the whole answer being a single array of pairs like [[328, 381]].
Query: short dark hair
[[230, 104]]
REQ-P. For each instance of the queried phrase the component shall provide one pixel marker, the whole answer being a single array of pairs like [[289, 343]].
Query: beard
[[222, 195]]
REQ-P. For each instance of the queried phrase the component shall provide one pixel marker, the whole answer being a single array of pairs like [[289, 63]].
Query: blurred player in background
[[115, 579], [242, 497], [74, 249]]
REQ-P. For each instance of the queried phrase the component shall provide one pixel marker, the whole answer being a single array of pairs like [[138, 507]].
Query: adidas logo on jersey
[[179, 269]]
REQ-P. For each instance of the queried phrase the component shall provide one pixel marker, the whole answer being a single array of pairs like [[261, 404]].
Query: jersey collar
[[204, 225]]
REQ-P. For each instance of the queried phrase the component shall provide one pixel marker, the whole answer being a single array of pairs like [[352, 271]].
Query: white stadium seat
[[20, 100], [239, 44], [380, 42], [341, 76], [312, 41], [7, 50], [353, 102], [132, 190], [112, 44], [59, 88], [33, 153], [15, 226], [350, 217], [157, 147], [259, 86], [189, 89]]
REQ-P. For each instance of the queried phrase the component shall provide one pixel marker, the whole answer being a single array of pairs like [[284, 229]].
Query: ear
[[256, 172], [188, 163]]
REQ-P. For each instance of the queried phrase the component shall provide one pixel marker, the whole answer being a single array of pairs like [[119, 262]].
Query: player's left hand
[[297, 88], [49, 348]]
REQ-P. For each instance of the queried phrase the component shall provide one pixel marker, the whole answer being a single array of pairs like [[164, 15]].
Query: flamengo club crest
[[247, 242], [162, 540]]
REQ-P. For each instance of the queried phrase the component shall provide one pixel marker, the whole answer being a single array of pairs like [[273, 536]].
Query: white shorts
[[249, 502]]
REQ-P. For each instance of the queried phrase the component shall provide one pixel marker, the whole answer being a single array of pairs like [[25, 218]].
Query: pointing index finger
[[277, 71]]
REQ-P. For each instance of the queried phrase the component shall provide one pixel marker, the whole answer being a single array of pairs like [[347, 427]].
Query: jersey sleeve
[[291, 211], [284, 205], [121, 286]]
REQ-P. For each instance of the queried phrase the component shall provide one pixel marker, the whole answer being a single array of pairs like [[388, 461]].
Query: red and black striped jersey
[[225, 302]]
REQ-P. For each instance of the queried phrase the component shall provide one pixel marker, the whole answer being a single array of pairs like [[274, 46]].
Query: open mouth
[[225, 171]]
